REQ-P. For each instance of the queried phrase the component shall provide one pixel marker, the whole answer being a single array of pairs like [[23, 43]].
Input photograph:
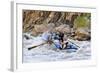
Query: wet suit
[[61, 36]]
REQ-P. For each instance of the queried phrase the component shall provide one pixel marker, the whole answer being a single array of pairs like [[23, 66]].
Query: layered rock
[[31, 17], [71, 23]]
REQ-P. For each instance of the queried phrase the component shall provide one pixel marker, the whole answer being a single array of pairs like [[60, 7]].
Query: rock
[[37, 22], [63, 28], [36, 17], [82, 34], [38, 29]]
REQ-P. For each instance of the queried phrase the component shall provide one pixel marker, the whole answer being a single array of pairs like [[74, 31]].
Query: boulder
[[82, 34], [63, 28], [38, 29]]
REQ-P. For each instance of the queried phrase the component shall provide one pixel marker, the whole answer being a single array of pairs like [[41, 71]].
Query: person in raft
[[58, 39], [61, 43], [47, 37], [54, 38]]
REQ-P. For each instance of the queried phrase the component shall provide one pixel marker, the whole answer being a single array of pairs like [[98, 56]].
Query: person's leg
[[72, 47], [66, 45]]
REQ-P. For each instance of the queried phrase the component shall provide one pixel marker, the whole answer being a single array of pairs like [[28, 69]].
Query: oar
[[36, 46], [74, 43], [46, 42]]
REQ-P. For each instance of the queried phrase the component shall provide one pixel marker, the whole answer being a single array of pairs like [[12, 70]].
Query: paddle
[[52, 42], [74, 43], [36, 46], [40, 44]]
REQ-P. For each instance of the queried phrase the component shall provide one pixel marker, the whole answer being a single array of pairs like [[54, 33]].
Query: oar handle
[[35, 46], [31, 47]]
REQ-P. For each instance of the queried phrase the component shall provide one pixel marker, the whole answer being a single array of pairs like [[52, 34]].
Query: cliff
[[74, 23]]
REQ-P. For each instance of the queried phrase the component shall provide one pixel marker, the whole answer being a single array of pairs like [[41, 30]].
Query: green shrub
[[81, 21]]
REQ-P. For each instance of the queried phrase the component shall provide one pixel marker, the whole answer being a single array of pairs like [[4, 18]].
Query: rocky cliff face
[[37, 22]]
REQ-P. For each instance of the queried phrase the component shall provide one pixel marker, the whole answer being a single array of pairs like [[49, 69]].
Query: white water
[[46, 52]]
